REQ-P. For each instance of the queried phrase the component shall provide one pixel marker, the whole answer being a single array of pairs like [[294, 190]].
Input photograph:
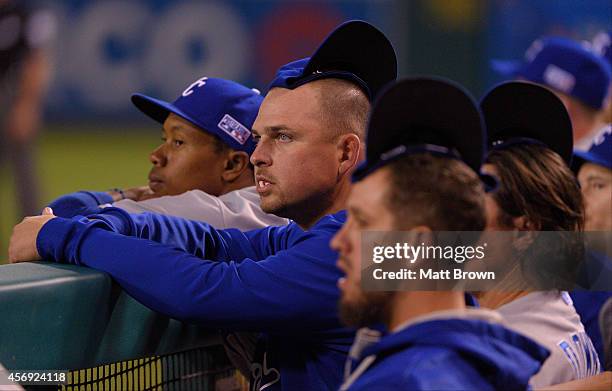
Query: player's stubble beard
[[305, 211], [371, 308]]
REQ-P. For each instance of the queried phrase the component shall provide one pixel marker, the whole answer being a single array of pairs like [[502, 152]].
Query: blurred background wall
[[93, 138]]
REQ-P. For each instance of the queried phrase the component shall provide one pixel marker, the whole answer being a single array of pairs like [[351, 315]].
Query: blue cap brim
[[581, 157], [509, 68], [158, 109]]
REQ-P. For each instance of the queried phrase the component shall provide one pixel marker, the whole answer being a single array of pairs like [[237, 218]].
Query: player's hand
[[22, 246], [135, 194], [139, 193]]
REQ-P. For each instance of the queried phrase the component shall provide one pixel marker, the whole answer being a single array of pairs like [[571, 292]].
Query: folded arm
[[80, 203], [294, 289]]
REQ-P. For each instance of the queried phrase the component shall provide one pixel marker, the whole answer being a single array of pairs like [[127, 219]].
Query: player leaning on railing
[[280, 281]]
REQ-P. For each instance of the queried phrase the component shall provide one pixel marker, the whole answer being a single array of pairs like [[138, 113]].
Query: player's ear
[[525, 232], [348, 153], [524, 223], [421, 234], [235, 164]]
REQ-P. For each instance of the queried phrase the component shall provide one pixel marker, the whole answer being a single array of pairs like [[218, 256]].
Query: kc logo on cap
[[198, 83]]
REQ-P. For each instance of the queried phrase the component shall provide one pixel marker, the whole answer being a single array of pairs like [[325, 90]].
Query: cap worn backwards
[[565, 66], [355, 51], [518, 112], [424, 115], [218, 106]]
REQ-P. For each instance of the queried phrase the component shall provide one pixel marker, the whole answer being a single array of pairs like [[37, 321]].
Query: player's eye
[[283, 137], [359, 221], [178, 143], [164, 139], [598, 185]]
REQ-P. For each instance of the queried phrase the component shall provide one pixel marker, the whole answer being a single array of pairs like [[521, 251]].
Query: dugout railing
[[75, 319], [64, 317]]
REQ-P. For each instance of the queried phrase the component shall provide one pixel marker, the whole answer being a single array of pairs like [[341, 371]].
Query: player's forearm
[[193, 237], [85, 203], [242, 296], [150, 272], [80, 203]]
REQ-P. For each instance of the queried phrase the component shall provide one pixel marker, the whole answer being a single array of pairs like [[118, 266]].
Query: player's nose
[[338, 242], [261, 155], [158, 156]]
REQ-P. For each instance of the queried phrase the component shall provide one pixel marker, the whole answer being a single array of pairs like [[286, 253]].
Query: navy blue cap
[[602, 45], [355, 51], [218, 106], [424, 115], [565, 66], [518, 112], [599, 153]]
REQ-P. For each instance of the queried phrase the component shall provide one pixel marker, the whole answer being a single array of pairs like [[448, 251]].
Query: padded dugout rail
[[63, 317]]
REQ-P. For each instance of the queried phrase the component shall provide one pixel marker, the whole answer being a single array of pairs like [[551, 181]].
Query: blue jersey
[[449, 354], [595, 274], [280, 281], [588, 305], [80, 203]]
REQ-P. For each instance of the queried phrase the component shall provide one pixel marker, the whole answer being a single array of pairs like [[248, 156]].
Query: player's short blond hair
[[344, 107]]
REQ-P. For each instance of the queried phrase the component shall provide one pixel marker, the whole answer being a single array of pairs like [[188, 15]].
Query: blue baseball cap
[[355, 51], [599, 153], [565, 66], [424, 115], [218, 106], [602, 45], [519, 112]]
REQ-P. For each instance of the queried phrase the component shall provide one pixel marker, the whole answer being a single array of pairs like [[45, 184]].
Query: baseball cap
[[355, 51], [424, 115], [518, 112], [565, 66], [218, 106], [602, 45], [599, 153]]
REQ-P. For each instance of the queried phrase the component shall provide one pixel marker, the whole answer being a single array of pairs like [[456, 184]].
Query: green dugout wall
[[60, 317]]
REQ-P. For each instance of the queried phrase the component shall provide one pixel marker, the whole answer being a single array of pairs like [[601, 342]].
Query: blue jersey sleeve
[[79, 203], [259, 285], [194, 237]]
